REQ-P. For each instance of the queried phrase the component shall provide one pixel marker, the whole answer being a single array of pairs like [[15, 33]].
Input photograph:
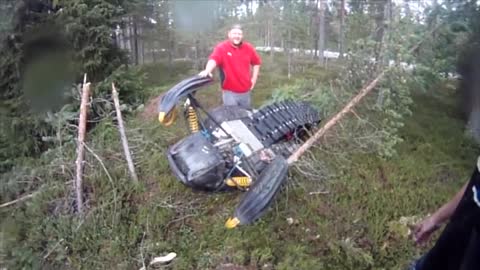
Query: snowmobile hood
[[182, 89]]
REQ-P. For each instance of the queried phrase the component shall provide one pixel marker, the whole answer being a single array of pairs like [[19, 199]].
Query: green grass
[[350, 227]]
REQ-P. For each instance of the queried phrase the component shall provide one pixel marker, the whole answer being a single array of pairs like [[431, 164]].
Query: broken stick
[[21, 199], [82, 124], [123, 136], [294, 157]]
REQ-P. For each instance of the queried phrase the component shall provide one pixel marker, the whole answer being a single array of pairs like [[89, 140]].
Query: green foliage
[[347, 228], [320, 95], [126, 225], [88, 25], [376, 129], [128, 82], [39, 61]]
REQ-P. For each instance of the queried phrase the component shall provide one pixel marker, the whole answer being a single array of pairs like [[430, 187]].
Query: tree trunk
[[321, 31], [142, 52], [154, 48], [316, 22], [408, 11], [197, 55], [382, 29], [171, 53], [249, 4], [379, 31], [473, 125], [126, 38], [341, 47], [141, 41], [435, 18], [289, 53], [135, 41], [272, 41], [82, 126], [123, 136]]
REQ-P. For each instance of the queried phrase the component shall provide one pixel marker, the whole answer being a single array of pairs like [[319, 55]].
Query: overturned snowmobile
[[235, 148]]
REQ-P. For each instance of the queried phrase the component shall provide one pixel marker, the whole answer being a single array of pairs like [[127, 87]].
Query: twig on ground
[[21, 199], [109, 178]]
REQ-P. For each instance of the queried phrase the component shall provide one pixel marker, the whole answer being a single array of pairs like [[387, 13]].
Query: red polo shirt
[[235, 63]]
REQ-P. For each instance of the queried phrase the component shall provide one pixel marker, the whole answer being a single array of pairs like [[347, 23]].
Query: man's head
[[235, 34]]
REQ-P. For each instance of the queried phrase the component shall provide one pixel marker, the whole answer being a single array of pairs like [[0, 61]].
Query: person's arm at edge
[[256, 61], [424, 229], [211, 65], [445, 212], [255, 71]]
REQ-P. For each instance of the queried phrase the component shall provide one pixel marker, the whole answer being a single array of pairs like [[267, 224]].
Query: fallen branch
[[348, 108], [294, 157], [80, 145], [53, 248], [21, 199], [123, 136]]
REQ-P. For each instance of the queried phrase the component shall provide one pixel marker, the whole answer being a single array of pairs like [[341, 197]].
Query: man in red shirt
[[234, 57]]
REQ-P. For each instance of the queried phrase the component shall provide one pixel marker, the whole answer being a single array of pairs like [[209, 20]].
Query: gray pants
[[236, 99]]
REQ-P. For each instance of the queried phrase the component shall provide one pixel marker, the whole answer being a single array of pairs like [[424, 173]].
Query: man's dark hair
[[236, 26]]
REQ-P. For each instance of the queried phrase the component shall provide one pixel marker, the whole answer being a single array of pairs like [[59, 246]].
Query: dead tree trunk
[[123, 136], [82, 124], [352, 103], [294, 157]]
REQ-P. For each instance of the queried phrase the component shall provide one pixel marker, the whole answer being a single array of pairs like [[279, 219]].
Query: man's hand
[[205, 73], [423, 230], [253, 84]]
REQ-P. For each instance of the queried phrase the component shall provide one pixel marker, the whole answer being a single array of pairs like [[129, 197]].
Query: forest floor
[[352, 219]]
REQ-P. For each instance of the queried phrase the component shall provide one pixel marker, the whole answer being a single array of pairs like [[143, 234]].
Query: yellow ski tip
[[167, 119], [161, 117], [232, 223], [239, 181]]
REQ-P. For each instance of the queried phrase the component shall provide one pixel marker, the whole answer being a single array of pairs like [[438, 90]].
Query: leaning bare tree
[[123, 136]]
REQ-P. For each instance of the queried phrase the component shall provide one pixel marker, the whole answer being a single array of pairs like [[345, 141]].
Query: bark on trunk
[[82, 125], [135, 41], [341, 47], [321, 31]]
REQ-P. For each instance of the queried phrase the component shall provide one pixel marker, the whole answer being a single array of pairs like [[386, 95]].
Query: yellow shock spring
[[192, 119], [239, 181]]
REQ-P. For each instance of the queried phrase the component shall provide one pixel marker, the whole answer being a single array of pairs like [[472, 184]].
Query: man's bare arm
[[256, 70], [211, 65]]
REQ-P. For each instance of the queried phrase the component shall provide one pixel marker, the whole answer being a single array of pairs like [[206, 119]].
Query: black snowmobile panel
[[197, 163], [182, 89], [226, 113], [262, 192]]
